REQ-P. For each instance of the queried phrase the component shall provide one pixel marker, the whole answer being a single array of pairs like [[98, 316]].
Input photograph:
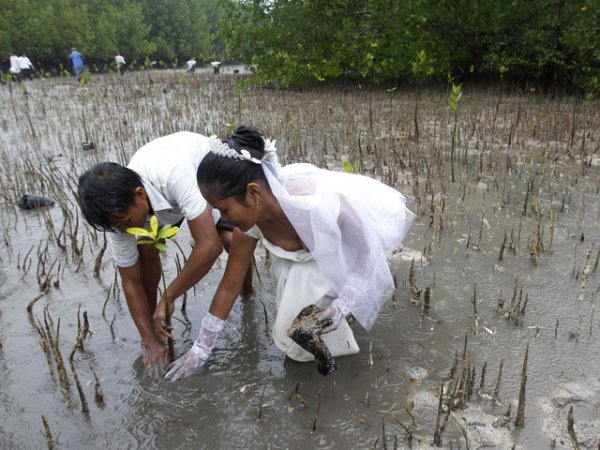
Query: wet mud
[[502, 257]]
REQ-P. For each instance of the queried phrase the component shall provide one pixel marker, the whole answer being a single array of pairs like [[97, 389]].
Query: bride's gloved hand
[[195, 358], [331, 317]]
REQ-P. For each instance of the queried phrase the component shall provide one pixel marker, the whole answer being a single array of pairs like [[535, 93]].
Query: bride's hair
[[225, 174]]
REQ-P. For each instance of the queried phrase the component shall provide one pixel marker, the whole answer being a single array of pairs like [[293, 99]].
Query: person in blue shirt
[[78, 62]]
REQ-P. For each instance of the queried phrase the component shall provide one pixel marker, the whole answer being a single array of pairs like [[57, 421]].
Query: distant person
[[159, 180], [190, 65], [120, 62], [15, 69], [216, 65], [78, 62], [26, 67]]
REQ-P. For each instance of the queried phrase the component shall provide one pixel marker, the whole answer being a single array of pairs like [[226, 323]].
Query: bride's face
[[238, 214]]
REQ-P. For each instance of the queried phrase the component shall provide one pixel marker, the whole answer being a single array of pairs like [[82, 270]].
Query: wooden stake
[[314, 427], [502, 247], [520, 419], [84, 404], [482, 380], [480, 235], [60, 364], [49, 438], [98, 264], [475, 312], [36, 298], [98, 397], [437, 435], [571, 429], [261, 402], [412, 278], [498, 380]]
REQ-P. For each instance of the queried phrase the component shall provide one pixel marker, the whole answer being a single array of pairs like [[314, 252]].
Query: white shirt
[[168, 167], [14, 64], [24, 62], [119, 59], [191, 63]]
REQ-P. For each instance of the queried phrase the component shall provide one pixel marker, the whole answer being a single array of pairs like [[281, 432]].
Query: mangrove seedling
[[350, 167], [455, 96], [421, 69], [156, 236]]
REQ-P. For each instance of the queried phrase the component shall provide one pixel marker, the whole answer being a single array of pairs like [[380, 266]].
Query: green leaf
[[154, 226], [139, 232], [160, 246], [167, 231], [145, 242], [162, 230]]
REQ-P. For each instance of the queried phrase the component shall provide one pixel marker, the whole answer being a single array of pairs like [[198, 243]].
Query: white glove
[[196, 357], [331, 317]]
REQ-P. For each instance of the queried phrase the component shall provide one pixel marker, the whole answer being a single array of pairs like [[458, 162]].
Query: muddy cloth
[[305, 331]]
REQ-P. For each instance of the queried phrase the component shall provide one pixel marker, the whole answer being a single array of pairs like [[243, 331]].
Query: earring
[[257, 203]]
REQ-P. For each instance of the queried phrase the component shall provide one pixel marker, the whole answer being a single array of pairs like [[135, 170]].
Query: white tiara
[[222, 149]]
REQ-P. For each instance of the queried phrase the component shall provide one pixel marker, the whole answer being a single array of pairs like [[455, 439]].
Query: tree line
[[162, 30], [546, 41]]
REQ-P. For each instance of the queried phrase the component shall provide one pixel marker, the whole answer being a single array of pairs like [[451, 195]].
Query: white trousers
[[300, 284]]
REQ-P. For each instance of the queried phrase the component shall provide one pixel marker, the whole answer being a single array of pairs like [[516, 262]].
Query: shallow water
[[251, 396]]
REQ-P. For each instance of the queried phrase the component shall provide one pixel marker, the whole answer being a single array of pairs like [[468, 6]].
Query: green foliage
[[350, 167], [455, 95], [153, 235], [296, 41], [133, 33], [85, 76], [138, 29], [293, 41], [421, 68], [181, 28], [21, 86]]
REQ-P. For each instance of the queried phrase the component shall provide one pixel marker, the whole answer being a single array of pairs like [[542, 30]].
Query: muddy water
[[251, 396]]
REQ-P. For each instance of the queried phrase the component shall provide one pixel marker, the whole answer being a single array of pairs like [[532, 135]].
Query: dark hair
[[228, 177], [104, 189]]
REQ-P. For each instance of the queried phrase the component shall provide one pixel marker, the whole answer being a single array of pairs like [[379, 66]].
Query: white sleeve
[[124, 248], [183, 187], [368, 279]]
